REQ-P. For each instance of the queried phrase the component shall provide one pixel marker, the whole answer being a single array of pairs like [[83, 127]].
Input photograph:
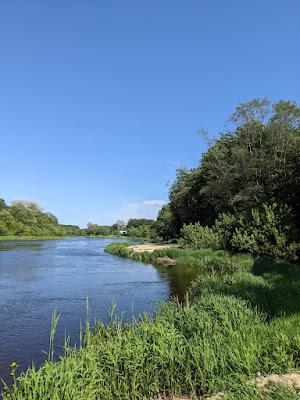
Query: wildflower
[[14, 364]]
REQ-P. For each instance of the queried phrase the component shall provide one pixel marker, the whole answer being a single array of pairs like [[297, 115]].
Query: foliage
[[258, 161], [98, 230], [138, 228], [141, 228], [71, 230], [119, 248], [166, 226], [199, 237], [27, 218], [268, 230]]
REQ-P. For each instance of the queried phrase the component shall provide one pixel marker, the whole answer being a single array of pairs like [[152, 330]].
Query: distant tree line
[[117, 228], [27, 218], [137, 228]]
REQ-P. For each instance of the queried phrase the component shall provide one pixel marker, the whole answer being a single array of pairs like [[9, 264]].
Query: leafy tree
[[28, 218], [259, 161], [141, 228], [2, 204], [166, 225]]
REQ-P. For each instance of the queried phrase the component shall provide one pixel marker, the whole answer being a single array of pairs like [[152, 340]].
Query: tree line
[[27, 218], [245, 193]]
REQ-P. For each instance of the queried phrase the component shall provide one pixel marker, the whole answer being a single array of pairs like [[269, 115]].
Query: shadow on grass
[[273, 286]]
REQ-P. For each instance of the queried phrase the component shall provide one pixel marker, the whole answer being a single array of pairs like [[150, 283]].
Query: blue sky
[[101, 101]]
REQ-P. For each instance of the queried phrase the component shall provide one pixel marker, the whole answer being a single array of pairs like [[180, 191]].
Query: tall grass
[[198, 348]]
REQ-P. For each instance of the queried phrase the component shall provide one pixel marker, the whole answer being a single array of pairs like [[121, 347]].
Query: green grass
[[208, 260], [272, 286], [240, 318], [214, 343], [12, 238]]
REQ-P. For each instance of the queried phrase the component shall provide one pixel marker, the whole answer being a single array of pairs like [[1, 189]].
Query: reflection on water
[[179, 279], [38, 277], [19, 244]]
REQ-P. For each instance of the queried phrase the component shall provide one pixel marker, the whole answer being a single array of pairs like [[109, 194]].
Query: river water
[[39, 277]]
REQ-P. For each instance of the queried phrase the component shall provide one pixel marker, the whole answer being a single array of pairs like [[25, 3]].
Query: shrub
[[226, 225], [267, 230], [199, 237], [119, 248]]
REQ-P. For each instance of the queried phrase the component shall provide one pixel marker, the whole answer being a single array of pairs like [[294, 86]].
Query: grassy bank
[[241, 318], [209, 260], [12, 238], [215, 343]]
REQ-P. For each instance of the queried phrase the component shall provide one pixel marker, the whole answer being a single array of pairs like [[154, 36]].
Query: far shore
[[12, 238]]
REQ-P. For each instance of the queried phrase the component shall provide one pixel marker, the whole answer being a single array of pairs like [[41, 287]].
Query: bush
[[199, 237], [226, 225], [267, 230], [119, 248]]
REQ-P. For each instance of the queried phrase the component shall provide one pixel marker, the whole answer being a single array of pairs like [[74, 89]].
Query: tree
[[2, 204], [28, 218], [259, 161], [166, 225]]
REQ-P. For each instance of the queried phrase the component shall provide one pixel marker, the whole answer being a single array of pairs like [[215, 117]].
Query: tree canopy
[[257, 161], [27, 218]]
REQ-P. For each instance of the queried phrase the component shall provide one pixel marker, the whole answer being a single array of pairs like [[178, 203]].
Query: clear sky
[[101, 101]]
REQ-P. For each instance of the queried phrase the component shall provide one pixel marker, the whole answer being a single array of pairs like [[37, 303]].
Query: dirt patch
[[150, 247], [292, 379]]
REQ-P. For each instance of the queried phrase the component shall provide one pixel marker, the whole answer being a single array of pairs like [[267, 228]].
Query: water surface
[[38, 277]]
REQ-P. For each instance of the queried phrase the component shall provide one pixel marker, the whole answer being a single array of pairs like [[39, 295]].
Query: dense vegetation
[[245, 194], [27, 218]]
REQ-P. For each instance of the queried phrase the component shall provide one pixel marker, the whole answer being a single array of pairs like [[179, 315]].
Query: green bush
[[267, 230], [226, 225], [199, 237], [119, 248]]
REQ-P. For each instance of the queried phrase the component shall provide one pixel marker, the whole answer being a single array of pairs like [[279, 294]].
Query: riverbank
[[241, 320], [13, 238]]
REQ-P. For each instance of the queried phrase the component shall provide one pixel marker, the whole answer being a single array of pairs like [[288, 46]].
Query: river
[[39, 277]]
